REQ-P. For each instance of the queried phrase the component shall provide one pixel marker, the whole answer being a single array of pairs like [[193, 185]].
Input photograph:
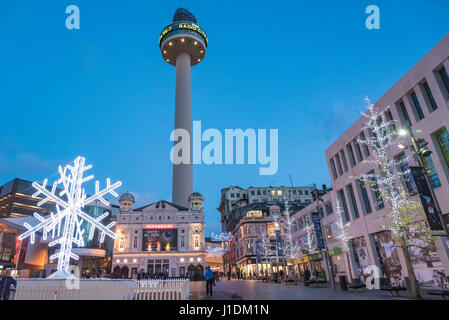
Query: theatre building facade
[[161, 239]]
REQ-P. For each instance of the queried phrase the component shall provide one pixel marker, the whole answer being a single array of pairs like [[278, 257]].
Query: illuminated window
[[279, 192], [121, 242], [254, 213], [196, 242], [273, 192]]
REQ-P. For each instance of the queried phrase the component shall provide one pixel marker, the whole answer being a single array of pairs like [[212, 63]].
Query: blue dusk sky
[[105, 93]]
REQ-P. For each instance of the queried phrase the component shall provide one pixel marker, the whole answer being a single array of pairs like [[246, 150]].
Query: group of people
[[241, 275]]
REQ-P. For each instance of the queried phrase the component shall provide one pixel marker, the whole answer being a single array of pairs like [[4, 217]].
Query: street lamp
[[418, 148]]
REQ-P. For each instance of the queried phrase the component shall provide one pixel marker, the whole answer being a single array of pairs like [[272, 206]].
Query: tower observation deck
[[183, 44]]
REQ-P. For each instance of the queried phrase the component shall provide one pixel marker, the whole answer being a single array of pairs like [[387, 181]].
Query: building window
[[254, 213], [430, 168], [329, 209], [196, 242], [355, 210], [443, 141], [121, 242], [365, 197], [365, 146], [405, 119], [329, 232], [408, 178], [264, 192], [389, 118], [136, 238], [350, 154], [344, 205], [279, 192], [445, 78], [358, 152], [419, 115], [334, 170], [429, 96], [340, 170], [379, 203], [343, 158], [183, 241]]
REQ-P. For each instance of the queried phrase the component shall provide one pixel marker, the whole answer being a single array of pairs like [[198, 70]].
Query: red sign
[[21, 250], [159, 226]]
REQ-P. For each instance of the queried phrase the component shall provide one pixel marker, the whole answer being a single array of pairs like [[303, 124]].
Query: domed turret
[[196, 201], [127, 201], [183, 15]]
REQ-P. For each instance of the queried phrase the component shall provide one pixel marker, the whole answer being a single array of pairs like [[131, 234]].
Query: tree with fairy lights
[[263, 246], [309, 234], [404, 219], [290, 246], [342, 233], [65, 227]]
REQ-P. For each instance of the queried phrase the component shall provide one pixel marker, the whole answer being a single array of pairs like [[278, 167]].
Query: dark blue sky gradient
[[104, 91]]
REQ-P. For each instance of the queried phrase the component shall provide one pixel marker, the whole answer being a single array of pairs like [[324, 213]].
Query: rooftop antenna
[[291, 181]]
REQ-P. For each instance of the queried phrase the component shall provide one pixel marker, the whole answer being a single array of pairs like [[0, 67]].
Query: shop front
[[337, 260], [316, 262], [302, 264]]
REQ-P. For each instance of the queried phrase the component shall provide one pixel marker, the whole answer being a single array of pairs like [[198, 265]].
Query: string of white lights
[[72, 199]]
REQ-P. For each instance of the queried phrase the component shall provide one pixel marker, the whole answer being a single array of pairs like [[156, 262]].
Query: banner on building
[[427, 201], [258, 249], [160, 239], [318, 231]]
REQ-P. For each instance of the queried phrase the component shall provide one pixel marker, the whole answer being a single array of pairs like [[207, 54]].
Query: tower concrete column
[[183, 173], [183, 44]]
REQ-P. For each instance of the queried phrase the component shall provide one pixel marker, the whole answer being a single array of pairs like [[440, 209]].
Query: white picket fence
[[102, 289], [170, 289]]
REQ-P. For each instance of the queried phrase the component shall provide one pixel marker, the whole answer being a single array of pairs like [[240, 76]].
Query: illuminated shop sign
[[159, 226], [181, 27]]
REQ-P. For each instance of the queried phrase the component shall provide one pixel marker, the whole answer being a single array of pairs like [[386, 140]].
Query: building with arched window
[[161, 239]]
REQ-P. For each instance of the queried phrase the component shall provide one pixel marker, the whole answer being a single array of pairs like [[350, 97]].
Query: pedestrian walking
[[5, 285], [209, 275], [306, 277]]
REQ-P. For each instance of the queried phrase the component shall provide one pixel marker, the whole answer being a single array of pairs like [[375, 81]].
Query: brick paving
[[255, 290]]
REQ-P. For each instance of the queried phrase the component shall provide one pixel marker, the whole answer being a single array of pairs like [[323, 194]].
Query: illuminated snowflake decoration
[[64, 227], [342, 228]]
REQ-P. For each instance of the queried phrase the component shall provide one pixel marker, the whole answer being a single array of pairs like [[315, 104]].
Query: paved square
[[255, 290]]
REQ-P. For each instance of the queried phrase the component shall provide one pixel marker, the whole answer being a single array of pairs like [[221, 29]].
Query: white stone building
[[161, 239]]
